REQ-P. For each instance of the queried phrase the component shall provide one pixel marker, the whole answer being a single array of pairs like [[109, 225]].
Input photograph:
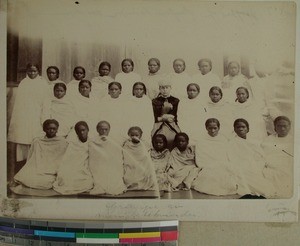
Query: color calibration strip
[[12, 231]]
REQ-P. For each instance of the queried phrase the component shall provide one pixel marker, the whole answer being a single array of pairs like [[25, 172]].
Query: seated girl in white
[[279, 151], [45, 156], [78, 74], [53, 77], [182, 165], [73, 175], [160, 157], [101, 82], [127, 77], [217, 176], [106, 163], [139, 171]]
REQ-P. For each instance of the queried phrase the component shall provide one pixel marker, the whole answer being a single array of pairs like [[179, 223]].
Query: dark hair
[[193, 84], [84, 81], [102, 122], [181, 134], [163, 137], [205, 60], [49, 121], [241, 120], [29, 65], [135, 128], [212, 120], [154, 59], [79, 67], [216, 88], [63, 85], [244, 88], [129, 60], [80, 123], [139, 83], [115, 83], [55, 68], [179, 59], [105, 63], [281, 118]]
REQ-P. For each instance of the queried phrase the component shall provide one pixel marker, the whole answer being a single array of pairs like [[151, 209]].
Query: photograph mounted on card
[[150, 110]]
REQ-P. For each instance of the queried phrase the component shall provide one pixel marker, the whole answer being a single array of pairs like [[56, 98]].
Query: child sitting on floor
[[73, 175], [139, 173], [182, 165], [44, 157], [106, 163], [160, 157]]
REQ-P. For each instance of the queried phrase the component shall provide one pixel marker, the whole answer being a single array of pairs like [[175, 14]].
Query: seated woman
[[182, 165], [45, 156], [73, 175], [217, 176], [160, 157], [106, 163], [249, 161], [139, 172], [279, 151]]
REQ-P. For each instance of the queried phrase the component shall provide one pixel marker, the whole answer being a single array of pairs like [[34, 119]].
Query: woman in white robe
[[249, 161], [106, 163], [53, 78], [217, 176], [279, 151], [26, 123], [191, 114], [206, 78], [74, 175], [127, 77], [72, 86]]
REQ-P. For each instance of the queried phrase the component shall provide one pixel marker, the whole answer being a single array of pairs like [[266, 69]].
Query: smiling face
[[212, 129], [32, 72], [85, 89], [138, 91], [104, 70], [82, 133], [192, 92], [114, 91], [51, 130], [215, 96], [204, 67], [79, 74], [241, 129], [282, 128], [242, 95], [178, 66], [127, 67]]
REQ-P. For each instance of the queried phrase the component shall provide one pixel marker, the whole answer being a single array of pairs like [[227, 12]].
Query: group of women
[[219, 137]]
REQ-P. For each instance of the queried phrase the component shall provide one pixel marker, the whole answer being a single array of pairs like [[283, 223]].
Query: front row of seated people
[[214, 165]]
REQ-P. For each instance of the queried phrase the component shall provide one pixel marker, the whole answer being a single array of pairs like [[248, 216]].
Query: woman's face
[[215, 96], [104, 70], [165, 90], [241, 129], [127, 67], [79, 74], [282, 128], [85, 89], [138, 91], [59, 92], [103, 129], [212, 129], [233, 69], [32, 72], [52, 74], [242, 95], [153, 67], [192, 92], [182, 143], [51, 130], [159, 144], [178, 66], [82, 133], [114, 91], [204, 67]]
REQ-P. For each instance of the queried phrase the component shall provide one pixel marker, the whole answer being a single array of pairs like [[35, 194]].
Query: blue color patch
[[54, 234]]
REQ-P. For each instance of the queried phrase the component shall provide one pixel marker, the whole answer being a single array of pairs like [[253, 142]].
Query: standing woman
[[25, 124]]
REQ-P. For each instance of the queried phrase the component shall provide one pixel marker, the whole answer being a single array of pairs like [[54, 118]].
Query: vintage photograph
[[166, 101]]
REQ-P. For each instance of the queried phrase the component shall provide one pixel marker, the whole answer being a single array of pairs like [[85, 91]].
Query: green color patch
[[97, 235]]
